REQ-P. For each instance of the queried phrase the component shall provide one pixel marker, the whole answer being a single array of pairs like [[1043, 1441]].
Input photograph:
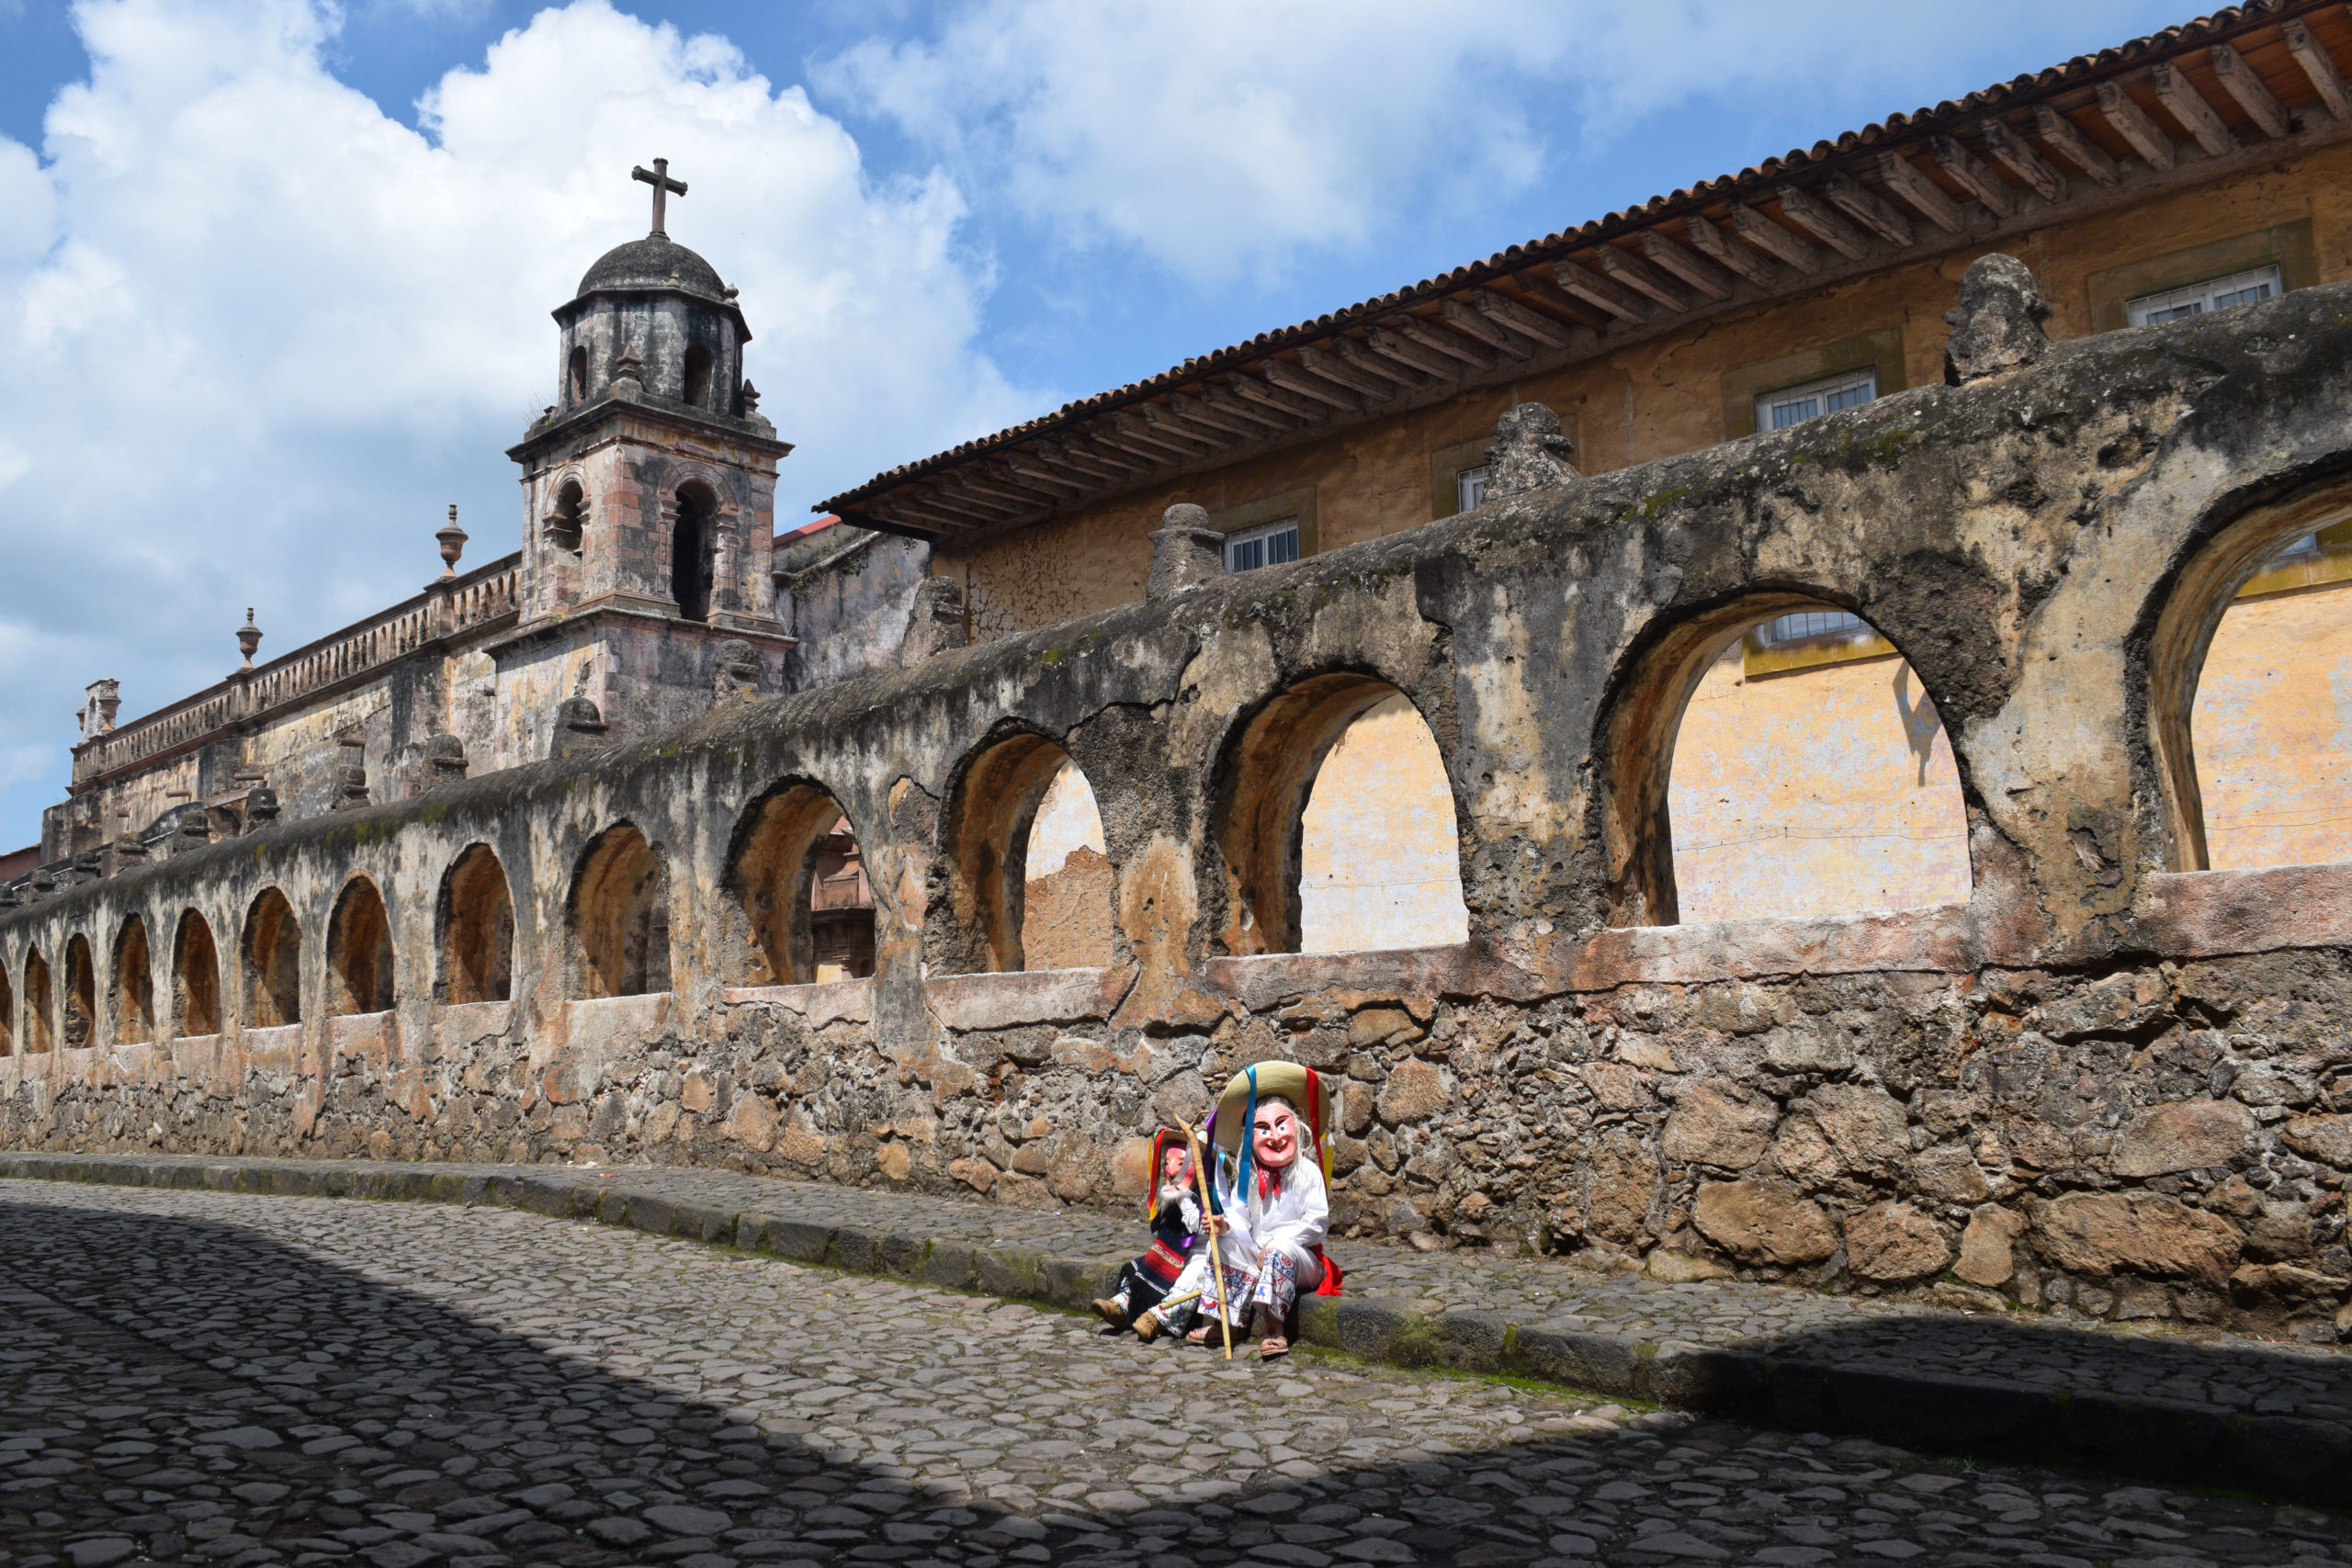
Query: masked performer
[[1175, 1214], [1270, 1203]]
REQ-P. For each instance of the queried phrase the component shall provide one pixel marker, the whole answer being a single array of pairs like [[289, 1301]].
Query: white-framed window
[[2216, 294], [1470, 488], [1805, 625], [1269, 546], [1793, 405]]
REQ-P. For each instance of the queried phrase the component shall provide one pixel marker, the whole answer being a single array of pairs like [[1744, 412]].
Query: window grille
[[1270, 546], [1802, 626], [2216, 294], [1470, 488], [1793, 405]]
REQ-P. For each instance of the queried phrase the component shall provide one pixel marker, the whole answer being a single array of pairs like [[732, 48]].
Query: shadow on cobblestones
[[179, 1388]]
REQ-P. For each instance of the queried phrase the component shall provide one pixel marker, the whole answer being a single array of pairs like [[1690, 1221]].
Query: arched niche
[[477, 930], [2251, 651], [359, 952], [7, 1014], [1030, 886], [694, 545], [801, 906], [133, 988], [40, 1022], [619, 917], [272, 950], [1777, 756], [196, 976], [80, 998], [1271, 778]]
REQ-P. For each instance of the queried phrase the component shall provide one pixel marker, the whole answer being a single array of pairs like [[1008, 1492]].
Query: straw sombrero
[[1237, 1107]]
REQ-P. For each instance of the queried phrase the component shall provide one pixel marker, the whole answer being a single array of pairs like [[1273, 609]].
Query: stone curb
[[2284, 1456]]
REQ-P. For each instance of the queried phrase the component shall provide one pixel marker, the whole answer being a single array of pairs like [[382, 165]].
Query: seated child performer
[[1270, 1207], [1175, 1214]]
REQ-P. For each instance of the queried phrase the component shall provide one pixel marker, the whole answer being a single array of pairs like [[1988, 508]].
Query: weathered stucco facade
[[2110, 1078]]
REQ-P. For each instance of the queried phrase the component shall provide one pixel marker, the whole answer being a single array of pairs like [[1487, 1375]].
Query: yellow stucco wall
[[1654, 399], [1380, 864], [2273, 730], [1066, 900]]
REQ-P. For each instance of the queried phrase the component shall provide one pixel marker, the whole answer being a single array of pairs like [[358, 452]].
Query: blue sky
[[276, 279]]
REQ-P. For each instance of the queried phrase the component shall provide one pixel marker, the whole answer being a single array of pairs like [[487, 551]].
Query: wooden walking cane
[[1216, 1264]]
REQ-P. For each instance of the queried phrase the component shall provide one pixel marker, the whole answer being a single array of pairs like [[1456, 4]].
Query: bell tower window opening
[[567, 522], [575, 379], [697, 386], [691, 547]]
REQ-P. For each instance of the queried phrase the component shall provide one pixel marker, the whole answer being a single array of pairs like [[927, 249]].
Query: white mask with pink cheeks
[[1274, 1137]]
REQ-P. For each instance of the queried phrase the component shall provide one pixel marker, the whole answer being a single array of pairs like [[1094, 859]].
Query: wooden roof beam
[[1815, 216], [1719, 247], [1032, 472], [1314, 384], [1865, 207], [1198, 413], [2247, 88], [1346, 363], [1769, 237], [2131, 123], [1410, 352], [1091, 467], [898, 511], [1692, 268], [1167, 424], [1594, 289], [2187, 104], [1454, 345], [1133, 434], [1358, 357], [1974, 177], [2063, 137], [1520, 318], [1638, 276], [1093, 458], [1476, 323], [2010, 151], [1924, 196], [1283, 412], [994, 485], [975, 509], [2319, 65]]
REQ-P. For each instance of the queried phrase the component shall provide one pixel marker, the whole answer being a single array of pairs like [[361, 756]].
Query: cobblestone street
[[244, 1380]]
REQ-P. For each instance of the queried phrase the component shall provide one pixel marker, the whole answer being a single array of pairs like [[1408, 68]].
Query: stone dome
[[654, 262]]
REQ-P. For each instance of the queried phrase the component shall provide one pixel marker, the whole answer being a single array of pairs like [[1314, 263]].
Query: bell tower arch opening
[[692, 546]]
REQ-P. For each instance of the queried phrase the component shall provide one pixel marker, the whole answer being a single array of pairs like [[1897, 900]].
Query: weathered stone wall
[[2107, 1079]]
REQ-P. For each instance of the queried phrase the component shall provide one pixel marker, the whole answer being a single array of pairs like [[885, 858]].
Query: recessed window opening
[[841, 906], [620, 917], [1030, 884], [1470, 488], [576, 375], [1809, 775], [691, 545], [196, 976], [359, 952], [567, 522], [477, 930], [134, 985], [2272, 753], [1272, 545], [1794, 405], [272, 949], [697, 383], [81, 995], [41, 1023], [2196, 298], [802, 909], [1066, 883]]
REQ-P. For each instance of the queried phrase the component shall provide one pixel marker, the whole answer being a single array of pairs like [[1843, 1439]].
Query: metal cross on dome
[[658, 176]]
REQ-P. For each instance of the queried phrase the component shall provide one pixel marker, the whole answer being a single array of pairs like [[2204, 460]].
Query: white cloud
[[1224, 138], [258, 333]]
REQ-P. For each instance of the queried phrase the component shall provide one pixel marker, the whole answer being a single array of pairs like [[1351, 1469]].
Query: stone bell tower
[[649, 495]]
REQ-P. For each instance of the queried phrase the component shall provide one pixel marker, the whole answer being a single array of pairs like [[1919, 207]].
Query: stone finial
[[579, 726], [445, 756], [735, 670], [1185, 552], [248, 637], [193, 831], [101, 700], [1529, 453], [261, 809], [1996, 326], [453, 544], [750, 400], [628, 375], [936, 621]]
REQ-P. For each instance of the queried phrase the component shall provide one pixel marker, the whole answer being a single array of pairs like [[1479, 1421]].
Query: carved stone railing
[[482, 599]]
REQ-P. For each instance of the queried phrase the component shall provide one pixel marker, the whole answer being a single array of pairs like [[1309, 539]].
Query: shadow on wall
[[356, 1406]]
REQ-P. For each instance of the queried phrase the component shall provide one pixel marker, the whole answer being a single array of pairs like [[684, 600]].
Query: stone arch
[[798, 892], [196, 976], [1029, 886], [2254, 642], [7, 1014], [272, 951], [477, 930], [1266, 784], [133, 991], [359, 950], [80, 1000], [1828, 786], [619, 917], [566, 520], [40, 1022]]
